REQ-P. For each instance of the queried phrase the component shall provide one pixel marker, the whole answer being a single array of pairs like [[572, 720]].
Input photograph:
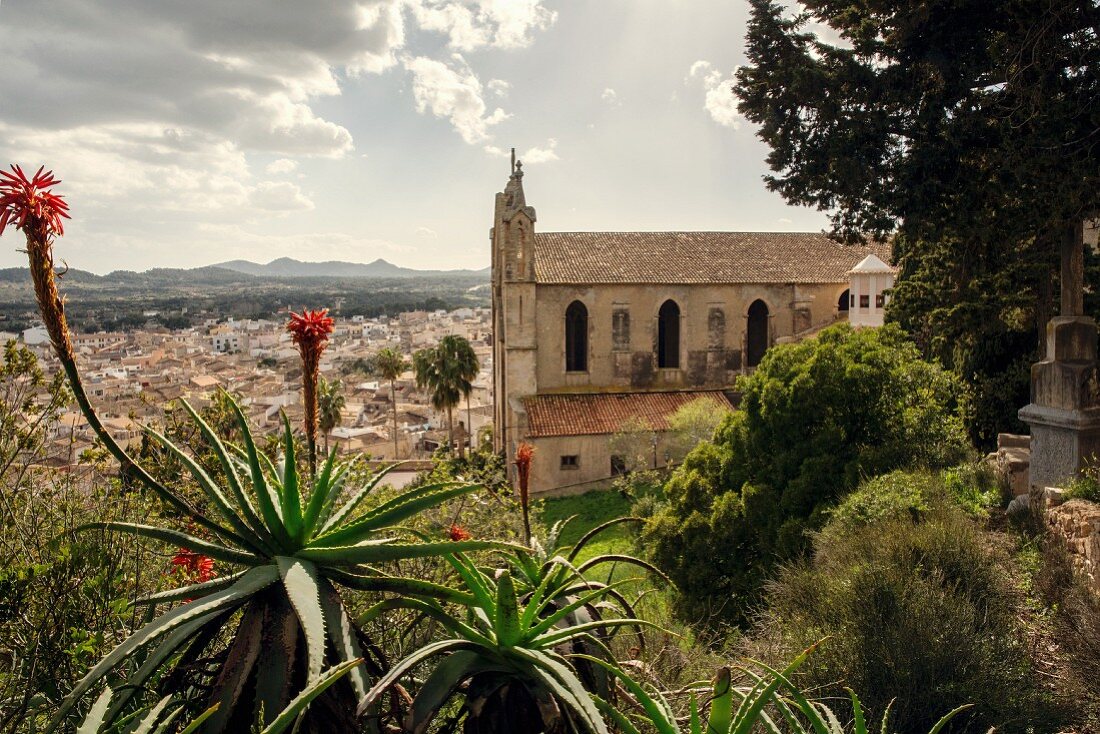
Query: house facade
[[593, 328]]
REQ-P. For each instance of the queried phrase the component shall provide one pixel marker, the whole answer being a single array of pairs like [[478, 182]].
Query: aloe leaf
[[433, 611], [96, 715], [587, 537], [302, 588], [381, 582], [291, 494], [194, 591], [196, 723], [381, 552], [857, 713], [886, 716], [616, 716], [270, 507], [150, 719], [616, 558], [657, 715], [695, 725], [171, 644], [411, 661], [336, 487], [376, 520], [473, 579], [807, 709], [318, 497], [302, 701], [344, 512], [947, 718], [231, 476], [253, 581], [174, 537], [721, 703], [507, 612], [556, 638], [574, 694], [834, 723], [442, 683], [548, 622], [344, 636]]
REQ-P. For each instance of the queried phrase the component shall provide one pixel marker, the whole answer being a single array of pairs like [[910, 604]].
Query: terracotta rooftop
[[579, 415], [696, 257]]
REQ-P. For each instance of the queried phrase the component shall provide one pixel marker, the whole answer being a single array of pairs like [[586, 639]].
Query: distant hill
[[286, 267]]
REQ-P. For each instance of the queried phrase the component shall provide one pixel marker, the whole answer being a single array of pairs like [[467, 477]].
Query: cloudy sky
[[194, 132]]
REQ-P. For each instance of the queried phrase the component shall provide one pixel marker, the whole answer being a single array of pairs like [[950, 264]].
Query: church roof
[[606, 413], [695, 257]]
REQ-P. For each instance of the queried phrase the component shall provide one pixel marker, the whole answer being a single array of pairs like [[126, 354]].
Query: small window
[[570, 462], [853, 300], [880, 301], [864, 301]]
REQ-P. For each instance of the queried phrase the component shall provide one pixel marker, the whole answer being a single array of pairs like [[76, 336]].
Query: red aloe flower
[[29, 205], [524, 453], [310, 330], [194, 566], [459, 533]]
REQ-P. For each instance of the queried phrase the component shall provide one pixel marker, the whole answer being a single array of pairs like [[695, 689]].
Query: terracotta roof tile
[[696, 257], [579, 415]]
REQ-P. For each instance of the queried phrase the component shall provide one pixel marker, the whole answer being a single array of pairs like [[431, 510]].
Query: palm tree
[[330, 406], [390, 363], [467, 366], [446, 372]]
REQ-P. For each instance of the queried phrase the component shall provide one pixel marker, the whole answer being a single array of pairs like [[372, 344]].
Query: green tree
[[963, 117], [692, 424], [447, 371], [390, 363], [815, 418], [330, 406]]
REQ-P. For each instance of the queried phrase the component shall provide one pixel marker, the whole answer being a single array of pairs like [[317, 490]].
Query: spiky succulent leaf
[[380, 552], [175, 537], [253, 581], [395, 511], [342, 632], [302, 584], [194, 591], [565, 686], [587, 537], [291, 494], [444, 680], [319, 496], [330, 520], [302, 701], [411, 661], [657, 714], [230, 472], [507, 612], [270, 507], [379, 581], [97, 714]]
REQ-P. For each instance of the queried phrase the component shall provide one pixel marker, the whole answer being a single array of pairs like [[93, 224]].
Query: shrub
[[816, 417], [918, 609]]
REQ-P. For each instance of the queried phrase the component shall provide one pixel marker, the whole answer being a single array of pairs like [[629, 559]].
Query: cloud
[[453, 92], [533, 155], [473, 24], [426, 232], [718, 99], [499, 87], [278, 196], [611, 97], [283, 165]]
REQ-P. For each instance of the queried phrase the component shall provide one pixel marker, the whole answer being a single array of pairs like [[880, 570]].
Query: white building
[[869, 289]]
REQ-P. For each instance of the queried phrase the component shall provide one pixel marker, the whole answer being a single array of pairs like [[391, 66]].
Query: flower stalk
[[524, 453], [30, 205], [310, 331]]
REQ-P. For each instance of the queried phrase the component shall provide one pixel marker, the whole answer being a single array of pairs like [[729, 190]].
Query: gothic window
[[845, 299], [576, 337], [756, 340], [716, 328], [620, 328], [668, 336]]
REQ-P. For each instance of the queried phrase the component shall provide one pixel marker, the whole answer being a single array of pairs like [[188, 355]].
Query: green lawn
[[591, 509]]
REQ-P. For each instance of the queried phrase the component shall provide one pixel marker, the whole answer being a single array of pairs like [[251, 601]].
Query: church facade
[[591, 329]]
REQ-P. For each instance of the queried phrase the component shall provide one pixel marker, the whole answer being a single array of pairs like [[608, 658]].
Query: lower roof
[[696, 257], [607, 413]]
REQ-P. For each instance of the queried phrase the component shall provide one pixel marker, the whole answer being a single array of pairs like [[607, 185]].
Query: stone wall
[[1077, 522]]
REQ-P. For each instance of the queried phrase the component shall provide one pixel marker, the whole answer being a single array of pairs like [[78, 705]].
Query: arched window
[[576, 337], [668, 336], [756, 341], [844, 301]]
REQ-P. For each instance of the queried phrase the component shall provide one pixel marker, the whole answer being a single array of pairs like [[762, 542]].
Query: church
[[591, 329]]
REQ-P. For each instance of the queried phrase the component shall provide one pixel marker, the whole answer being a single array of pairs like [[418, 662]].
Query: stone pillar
[[1064, 413]]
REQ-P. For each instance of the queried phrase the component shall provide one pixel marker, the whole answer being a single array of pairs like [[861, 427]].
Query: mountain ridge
[[286, 267]]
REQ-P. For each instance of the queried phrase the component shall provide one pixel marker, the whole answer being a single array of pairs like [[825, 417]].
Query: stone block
[[1013, 441], [1062, 442], [1071, 339], [1066, 385]]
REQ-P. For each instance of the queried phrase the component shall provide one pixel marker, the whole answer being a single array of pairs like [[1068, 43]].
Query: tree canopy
[[961, 117]]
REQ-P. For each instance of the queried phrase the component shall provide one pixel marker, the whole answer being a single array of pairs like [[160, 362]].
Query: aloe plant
[[772, 704], [507, 656], [294, 546]]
